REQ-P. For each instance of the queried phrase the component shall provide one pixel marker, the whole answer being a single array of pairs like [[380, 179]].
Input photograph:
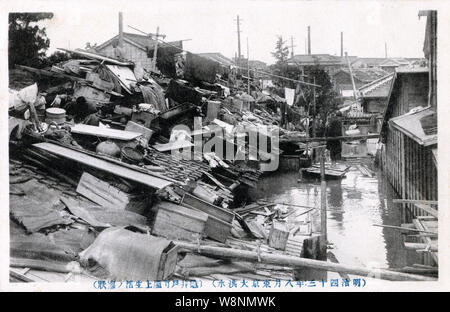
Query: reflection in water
[[359, 202]]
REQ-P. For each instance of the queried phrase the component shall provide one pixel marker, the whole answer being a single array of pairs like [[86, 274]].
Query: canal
[[359, 202]]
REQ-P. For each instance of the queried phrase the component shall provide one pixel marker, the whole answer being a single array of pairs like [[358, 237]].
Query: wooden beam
[[98, 163], [337, 138], [297, 262], [403, 228], [421, 246], [414, 201]]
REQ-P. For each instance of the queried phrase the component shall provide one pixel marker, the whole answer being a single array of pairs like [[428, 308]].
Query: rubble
[[118, 197]]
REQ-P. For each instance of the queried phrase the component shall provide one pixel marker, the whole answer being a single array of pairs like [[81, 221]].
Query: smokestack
[[120, 30], [385, 50], [309, 40], [342, 44]]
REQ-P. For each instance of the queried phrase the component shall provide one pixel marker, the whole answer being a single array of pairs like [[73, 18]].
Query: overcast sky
[[211, 25]]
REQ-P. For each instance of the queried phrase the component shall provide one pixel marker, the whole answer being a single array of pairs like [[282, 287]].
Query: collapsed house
[[96, 161]]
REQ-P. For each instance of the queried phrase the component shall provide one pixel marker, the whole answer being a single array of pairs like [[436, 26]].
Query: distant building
[[375, 94], [362, 76], [387, 64], [329, 63]]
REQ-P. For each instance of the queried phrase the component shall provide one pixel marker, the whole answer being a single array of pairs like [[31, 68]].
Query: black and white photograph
[[244, 146]]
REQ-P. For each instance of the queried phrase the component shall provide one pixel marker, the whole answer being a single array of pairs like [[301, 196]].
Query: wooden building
[[343, 82], [134, 47], [409, 148]]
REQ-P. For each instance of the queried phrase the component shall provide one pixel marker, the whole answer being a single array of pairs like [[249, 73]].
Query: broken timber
[[337, 138], [156, 182], [292, 261], [104, 132]]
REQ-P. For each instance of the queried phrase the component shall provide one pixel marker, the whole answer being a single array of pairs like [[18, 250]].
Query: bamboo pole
[[296, 262], [403, 228]]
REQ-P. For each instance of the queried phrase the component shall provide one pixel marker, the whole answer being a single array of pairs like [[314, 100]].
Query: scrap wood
[[44, 265], [421, 247], [98, 162], [39, 246], [33, 216], [104, 132], [98, 216], [404, 228], [98, 57], [257, 229], [297, 262], [414, 201], [19, 276], [413, 270]]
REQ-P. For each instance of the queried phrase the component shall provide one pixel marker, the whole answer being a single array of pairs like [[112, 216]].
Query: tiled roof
[[218, 57], [141, 41], [365, 74], [312, 59], [377, 88]]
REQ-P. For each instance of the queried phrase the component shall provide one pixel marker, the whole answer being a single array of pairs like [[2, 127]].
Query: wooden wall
[[409, 168], [131, 52]]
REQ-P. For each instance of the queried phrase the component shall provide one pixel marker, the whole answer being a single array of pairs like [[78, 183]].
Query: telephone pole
[[238, 22], [292, 47], [248, 69]]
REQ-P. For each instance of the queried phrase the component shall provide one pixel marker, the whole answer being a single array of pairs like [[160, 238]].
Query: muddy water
[[359, 202]]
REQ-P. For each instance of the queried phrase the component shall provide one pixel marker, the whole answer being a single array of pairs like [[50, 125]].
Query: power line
[[243, 68]]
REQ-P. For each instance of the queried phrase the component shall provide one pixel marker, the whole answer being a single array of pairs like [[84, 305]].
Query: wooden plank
[[177, 222], [104, 132], [403, 228], [421, 246], [210, 209], [414, 201], [278, 235], [95, 56], [297, 262], [428, 209], [113, 168], [106, 195], [172, 146], [426, 239]]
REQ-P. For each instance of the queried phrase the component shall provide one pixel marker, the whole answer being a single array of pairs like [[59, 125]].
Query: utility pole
[[314, 109], [351, 76], [323, 205], [238, 22], [292, 47], [248, 69], [385, 49], [309, 40], [155, 51], [342, 44]]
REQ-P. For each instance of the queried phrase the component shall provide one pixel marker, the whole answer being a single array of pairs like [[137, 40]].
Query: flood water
[[359, 202]]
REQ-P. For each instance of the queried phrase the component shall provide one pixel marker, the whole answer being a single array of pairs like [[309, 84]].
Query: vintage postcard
[[185, 146]]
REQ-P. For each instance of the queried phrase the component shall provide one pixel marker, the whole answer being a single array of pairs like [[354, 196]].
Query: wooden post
[[314, 109], [297, 262], [155, 51], [323, 204]]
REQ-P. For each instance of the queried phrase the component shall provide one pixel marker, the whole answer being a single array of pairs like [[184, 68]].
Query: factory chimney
[[309, 40]]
